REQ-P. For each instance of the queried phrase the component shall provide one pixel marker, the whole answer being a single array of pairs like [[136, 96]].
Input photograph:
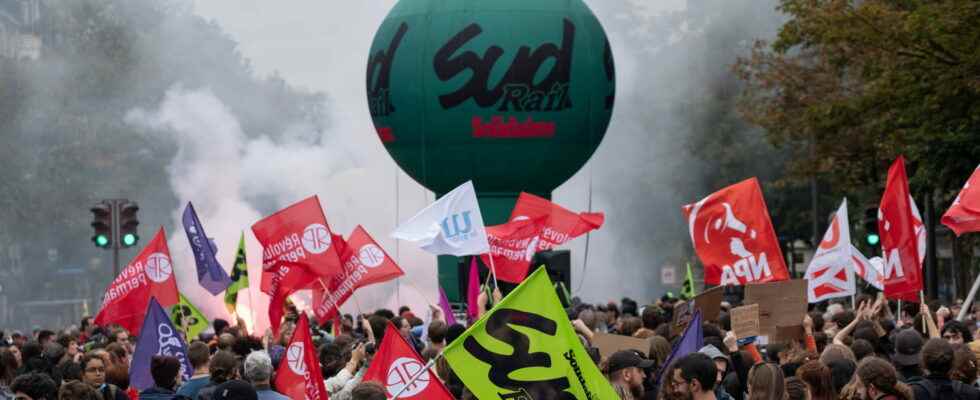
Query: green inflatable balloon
[[514, 94]]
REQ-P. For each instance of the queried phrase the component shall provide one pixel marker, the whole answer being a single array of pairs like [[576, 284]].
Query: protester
[[766, 382], [258, 371], [76, 390], [908, 344], [93, 373], [34, 386], [877, 379], [695, 377], [817, 377], [626, 372], [937, 359], [369, 391], [222, 368], [955, 332], [199, 356], [235, 390], [164, 370], [964, 365]]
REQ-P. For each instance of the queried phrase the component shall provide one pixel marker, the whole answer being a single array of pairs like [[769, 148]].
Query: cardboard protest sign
[[781, 304], [609, 344], [683, 312], [709, 303], [745, 321]]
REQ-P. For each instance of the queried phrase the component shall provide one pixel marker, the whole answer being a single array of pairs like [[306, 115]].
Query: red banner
[[394, 366], [733, 236], [512, 246], [899, 242], [560, 224], [298, 376], [298, 234], [964, 215], [150, 274]]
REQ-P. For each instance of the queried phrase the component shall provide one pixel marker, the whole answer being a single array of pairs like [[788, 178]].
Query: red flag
[[298, 376], [733, 236], [394, 366], [964, 215], [560, 224], [286, 279], [512, 246], [150, 274], [298, 234], [365, 263], [899, 242]]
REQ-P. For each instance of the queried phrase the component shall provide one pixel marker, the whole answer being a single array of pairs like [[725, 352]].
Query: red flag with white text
[[964, 215], [899, 239], [150, 274], [298, 376], [396, 363], [733, 236], [512, 245], [287, 278], [560, 224]]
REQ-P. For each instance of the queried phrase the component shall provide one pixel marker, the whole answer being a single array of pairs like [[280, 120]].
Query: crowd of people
[[871, 352]]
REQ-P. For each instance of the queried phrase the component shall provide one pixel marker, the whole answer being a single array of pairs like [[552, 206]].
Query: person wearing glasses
[[93, 373], [695, 376]]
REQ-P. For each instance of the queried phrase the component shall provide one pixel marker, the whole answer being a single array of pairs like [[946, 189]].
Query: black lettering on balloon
[[516, 90], [610, 76], [379, 87], [502, 366]]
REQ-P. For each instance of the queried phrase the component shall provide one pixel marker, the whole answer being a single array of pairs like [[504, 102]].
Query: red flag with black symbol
[[512, 246], [150, 274], [964, 215], [559, 225], [298, 234], [396, 363], [899, 239], [298, 376], [734, 238]]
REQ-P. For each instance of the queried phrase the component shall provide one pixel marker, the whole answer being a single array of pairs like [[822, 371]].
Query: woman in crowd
[[819, 384], [878, 380], [766, 382], [93, 373]]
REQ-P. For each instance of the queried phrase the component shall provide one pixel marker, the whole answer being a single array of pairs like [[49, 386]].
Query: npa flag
[[560, 224], [687, 291], [188, 318], [396, 363], [365, 263], [512, 246], [239, 277], [159, 338], [899, 239], [452, 225], [691, 342], [298, 376], [831, 270], [964, 215], [525, 347], [150, 274], [210, 274], [298, 234], [869, 270], [733, 236]]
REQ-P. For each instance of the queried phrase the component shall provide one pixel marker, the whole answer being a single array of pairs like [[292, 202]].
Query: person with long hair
[[877, 379], [766, 382], [819, 383]]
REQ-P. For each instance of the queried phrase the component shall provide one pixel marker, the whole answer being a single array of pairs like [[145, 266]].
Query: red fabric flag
[[733, 236], [512, 246], [964, 215], [394, 366], [899, 242], [150, 274], [298, 234], [365, 263], [560, 224], [298, 376], [287, 278]]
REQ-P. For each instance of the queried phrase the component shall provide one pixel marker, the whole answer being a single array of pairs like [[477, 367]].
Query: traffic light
[[102, 223], [128, 221], [871, 226]]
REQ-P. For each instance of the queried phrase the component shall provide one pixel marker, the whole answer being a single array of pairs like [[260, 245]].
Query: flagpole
[[413, 286], [493, 270], [417, 375]]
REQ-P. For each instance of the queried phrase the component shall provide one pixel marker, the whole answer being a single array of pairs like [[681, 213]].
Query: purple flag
[[447, 310], [158, 337], [210, 274], [473, 291], [691, 342]]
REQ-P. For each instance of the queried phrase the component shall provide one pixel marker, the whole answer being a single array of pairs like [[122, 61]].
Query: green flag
[[185, 316], [687, 291], [525, 347], [239, 277]]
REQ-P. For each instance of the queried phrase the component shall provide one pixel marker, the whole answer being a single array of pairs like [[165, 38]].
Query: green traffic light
[[873, 239], [129, 239], [101, 241]]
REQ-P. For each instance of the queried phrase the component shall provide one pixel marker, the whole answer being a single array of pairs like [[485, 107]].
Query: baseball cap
[[628, 358], [235, 390], [908, 344], [712, 352]]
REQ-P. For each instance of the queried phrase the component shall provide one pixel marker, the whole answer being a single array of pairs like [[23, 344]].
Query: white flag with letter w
[[452, 225]]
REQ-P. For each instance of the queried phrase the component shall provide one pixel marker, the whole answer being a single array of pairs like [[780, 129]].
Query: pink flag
[[473, 290]]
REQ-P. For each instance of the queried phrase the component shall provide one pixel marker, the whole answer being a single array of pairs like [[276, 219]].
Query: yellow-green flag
[[525, 347], [185, 316], [688, 290], [239, 277]]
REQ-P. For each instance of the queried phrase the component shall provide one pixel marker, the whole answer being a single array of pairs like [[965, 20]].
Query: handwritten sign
[[745, 321], [609, 344], [782, 305]]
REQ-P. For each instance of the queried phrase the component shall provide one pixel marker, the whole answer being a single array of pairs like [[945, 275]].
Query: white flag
[[871, 270], [452, 225], [831, 273]]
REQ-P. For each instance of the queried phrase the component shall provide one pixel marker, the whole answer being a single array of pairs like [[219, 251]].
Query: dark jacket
[[937, 387], [109, 391], [157, 393]]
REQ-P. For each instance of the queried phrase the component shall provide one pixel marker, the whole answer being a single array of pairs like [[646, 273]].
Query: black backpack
[[957, 391]]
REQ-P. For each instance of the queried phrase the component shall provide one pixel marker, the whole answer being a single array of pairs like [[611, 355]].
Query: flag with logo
[[869, 270], [691, 341], [150, 274], [298, 376], [396, 363], [188, 318], [210, 274], [525, 346], [688, 291], [158, 338], [733, 236], [512, 246], [298, 234], [365, 263], [899, 239], [831, 271], [560, 224], [964, 215], [239, 277], [452, 225]]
